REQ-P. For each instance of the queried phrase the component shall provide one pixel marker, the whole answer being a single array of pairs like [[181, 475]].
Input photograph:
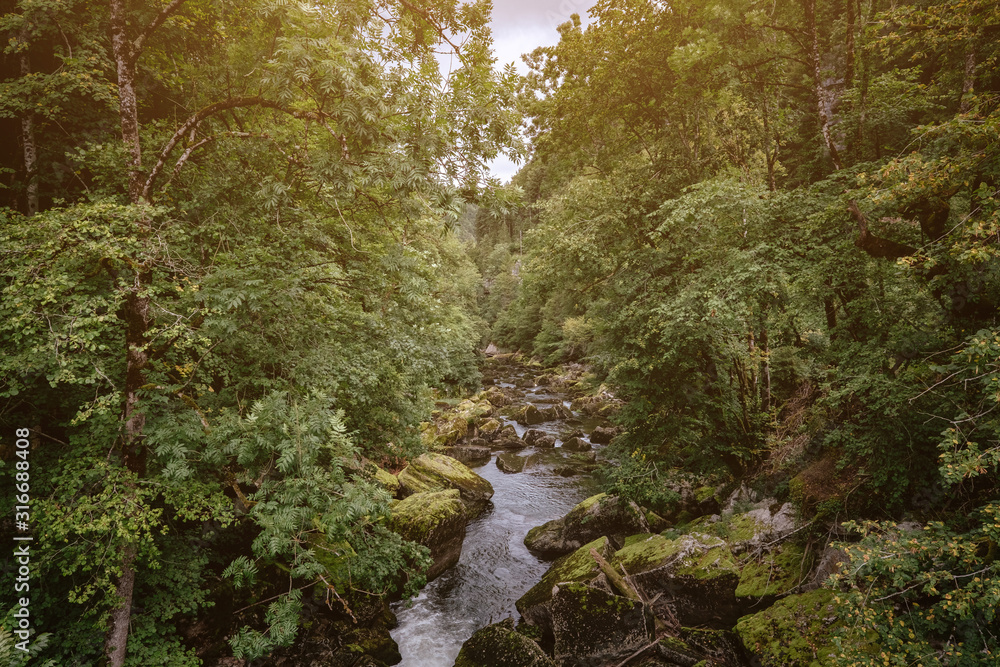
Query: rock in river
[[435, 519], [500, 645], [437, 472], [576, 445], [596, 516]]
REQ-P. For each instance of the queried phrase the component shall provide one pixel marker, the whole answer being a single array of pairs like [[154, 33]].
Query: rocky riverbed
[[533, 567]]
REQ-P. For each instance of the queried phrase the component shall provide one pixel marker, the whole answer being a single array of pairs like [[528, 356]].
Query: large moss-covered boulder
[[705, 648], [578, 566], [500, 645], [435, 519], [446, 430], [773, 573], [693, 578], [437, 472], [796, 631], [591, 626], [596, 516]]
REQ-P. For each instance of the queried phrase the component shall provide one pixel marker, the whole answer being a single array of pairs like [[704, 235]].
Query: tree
[[340, 114]]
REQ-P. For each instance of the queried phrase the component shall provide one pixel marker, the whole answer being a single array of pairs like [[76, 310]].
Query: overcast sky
[[519, 26]]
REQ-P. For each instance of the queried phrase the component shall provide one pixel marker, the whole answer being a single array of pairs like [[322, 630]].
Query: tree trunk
[[137, 319], [824, 98], [969, 76], [28, 133]]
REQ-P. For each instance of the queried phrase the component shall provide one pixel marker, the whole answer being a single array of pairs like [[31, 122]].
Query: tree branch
[[164, 14], [876, 246], [192, 123]]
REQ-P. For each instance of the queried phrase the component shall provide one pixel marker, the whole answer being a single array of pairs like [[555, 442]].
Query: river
[[495, 568]]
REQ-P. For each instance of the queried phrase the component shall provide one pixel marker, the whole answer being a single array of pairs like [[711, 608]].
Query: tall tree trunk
[[968, 76], [28, 133], [849, 46], [824, 97], [137, 322]]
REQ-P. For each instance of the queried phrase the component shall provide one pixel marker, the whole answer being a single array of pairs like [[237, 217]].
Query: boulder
[[698, 646], [546, 442], [576, 445], [774, 573], [598, 515], [529, 415], [591, 626], [556, 411], [436, 520], [443, 431], [380, 476], [496, 397], [501, 645], [510, 462], [769, 522], [693, 578], [437, 472], [796, 630], [488, 428], [602, 435], [471, 453], [532, 435], [578, 566]]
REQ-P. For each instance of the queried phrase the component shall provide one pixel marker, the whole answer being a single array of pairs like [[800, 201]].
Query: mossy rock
[[500, 645], [578, 566], [489, 428], [436, 520], [529, 415], [593, 626], [776, 573], [694, 577], [496, 397], [437, 472], [598, 515], [576, 444], [795, 631], [387, 480], [510, 462]]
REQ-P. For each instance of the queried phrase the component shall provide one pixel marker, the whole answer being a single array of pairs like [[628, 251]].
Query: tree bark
[[28, 144], [968, 76], [137, 322], [824, 99]]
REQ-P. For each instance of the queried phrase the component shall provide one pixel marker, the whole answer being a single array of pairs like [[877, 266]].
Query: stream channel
[[495, 568]]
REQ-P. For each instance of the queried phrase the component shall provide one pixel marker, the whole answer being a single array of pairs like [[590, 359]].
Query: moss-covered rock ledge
[[436, 472]]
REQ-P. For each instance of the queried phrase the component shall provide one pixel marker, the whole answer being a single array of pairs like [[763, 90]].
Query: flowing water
[[495, 568]]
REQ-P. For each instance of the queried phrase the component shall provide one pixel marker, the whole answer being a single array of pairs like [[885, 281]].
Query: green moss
[[588, 503], [704, 493], [795, 631], [775, 574], [575, 567], [634, 539], [640, 556], [699, 557], [417, 516], [713, 562], [436, 472], [387, 480]]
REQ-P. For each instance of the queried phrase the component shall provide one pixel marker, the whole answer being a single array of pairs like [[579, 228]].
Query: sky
[[519, 26]]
